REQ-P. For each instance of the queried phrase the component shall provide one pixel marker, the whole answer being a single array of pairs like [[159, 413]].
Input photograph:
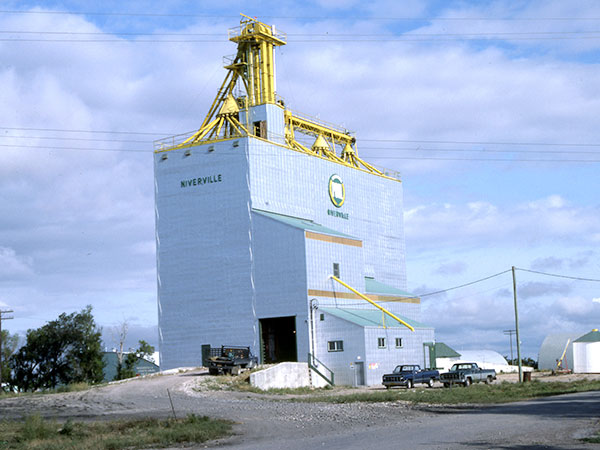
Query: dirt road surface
[[271, 422]]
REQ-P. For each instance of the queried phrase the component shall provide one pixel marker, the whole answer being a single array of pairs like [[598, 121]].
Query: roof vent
[[164, 156], [188, 152]]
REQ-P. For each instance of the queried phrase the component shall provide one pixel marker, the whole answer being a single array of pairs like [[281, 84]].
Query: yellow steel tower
[[253, 68]]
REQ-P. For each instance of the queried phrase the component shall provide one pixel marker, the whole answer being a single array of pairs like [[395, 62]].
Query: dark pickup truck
[[408, 375], [467, 374], [229, 359]]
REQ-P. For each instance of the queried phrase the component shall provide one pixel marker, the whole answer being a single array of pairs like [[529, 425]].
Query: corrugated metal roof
[[552, 349], [373, 286], [371, 318], [443, 351], [302, 224], [592, 336]]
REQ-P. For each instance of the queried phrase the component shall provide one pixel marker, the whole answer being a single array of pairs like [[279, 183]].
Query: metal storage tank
[[586, 353]]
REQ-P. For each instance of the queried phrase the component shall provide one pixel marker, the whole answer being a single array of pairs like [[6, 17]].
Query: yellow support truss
[[253, 69], [364, 297], [327, 139]]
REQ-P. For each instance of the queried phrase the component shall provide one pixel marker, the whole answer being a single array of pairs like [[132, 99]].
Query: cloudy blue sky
[[488, 109]]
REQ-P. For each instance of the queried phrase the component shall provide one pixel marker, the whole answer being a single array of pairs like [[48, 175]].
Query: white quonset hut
[[586, 353], [553, 348], [266, 241]]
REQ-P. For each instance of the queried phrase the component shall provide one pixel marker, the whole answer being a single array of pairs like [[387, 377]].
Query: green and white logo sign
[[337, 191]]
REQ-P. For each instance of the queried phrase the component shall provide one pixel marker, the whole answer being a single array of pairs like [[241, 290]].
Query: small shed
[[111, 359], [586, 353], [444, 356]]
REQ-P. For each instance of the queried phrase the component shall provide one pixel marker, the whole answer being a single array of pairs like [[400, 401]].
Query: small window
[[335, 346], [322, 317], [336, 270], [260, 128], [381, 342], [398, 342]]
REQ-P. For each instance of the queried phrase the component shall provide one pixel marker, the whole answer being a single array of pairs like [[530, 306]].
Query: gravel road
[[271, 422]]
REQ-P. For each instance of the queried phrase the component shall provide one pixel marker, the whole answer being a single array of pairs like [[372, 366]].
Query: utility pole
[[517, 325], [510, 333], [5, 311]]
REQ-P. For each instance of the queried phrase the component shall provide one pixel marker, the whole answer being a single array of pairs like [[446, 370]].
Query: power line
[[371, 156], [481, 150], [301, 41], [464, 285], [47, 147], [96, 13], [561, 144], [416, 141], [62, 130], [321, 35], [322, 17], [56, 138], [118, 33], [559, 276], [409, 158]]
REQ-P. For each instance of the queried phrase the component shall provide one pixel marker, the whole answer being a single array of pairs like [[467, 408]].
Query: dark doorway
[[278, 339]]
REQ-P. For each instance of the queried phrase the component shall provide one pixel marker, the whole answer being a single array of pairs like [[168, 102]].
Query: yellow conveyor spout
[[364, 297]]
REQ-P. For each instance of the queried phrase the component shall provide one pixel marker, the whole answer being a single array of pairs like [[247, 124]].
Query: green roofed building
[[142, 366]]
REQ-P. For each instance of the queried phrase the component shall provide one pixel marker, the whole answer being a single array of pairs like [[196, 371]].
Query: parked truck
[[467, 374], [231, 359], [408, 375]]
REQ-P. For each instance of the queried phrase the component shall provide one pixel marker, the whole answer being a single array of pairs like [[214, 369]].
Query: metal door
[[359, 373]]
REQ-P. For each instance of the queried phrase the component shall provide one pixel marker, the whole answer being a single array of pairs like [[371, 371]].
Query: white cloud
[[480, 222], [451, 268], [13, 265], [575, 307]]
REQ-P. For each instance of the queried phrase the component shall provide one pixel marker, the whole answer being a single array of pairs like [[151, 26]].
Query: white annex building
[[272, 233]]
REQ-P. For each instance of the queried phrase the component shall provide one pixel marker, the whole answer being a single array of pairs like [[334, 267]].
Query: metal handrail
[[323, 123], [311, 365]]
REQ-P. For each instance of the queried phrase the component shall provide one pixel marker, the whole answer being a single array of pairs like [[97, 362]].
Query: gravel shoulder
[[270, 421]]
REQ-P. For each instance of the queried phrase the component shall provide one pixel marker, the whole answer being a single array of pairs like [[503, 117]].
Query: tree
[[10, 342], [529, 362], [119, 335], [64, 351], [126, 369]]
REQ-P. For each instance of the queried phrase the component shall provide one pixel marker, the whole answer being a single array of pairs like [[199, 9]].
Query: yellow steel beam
[[559, 361], [241, 129], [364, 297], [201, 132], [221, 96], [316, 129]]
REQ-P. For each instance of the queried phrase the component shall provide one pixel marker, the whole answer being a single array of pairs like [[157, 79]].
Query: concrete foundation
[[286, 375]]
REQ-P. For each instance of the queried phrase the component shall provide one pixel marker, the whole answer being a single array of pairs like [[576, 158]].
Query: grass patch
[[36, 433], [592, 439], [74, 387], [476, 394]]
